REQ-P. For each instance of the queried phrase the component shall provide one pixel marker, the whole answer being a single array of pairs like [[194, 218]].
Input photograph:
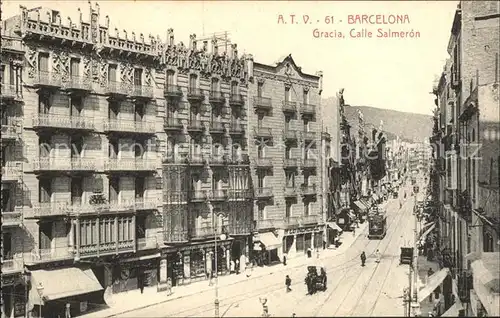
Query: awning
[[334, 226], [487, 282], [269, 240], [424, 235], [453, 310], [433, 282], [360, 205], [62, 283]]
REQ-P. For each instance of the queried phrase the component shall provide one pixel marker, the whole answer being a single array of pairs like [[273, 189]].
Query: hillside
[[408, 126]]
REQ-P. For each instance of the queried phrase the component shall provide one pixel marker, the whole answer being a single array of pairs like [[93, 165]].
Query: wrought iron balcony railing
[[308, 108], [12, 171], [309, 163], [236, 99], [291, 134], [264, 103], [63, 122], [130, 164], [235, 128], [290, 191], [218, 194], [12, 265], [195, 94], [263, 192], [78, 83], [270, 224], [50, 255], [263, 132], [241, 194], [172, 124], [142, 91], [216, 127], [118, 88], [172, 91], [96, 250], [290, 162], [48, 79], [64, 164], [12, 127], [198, 195], [216, 97], [130, 126], [195, 125], [289, 106], [308, 189]]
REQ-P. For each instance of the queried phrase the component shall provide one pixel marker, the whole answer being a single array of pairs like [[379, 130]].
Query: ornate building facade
[[286, 155]]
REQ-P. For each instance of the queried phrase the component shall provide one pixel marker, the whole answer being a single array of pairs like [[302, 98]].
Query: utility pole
[[415, 304]]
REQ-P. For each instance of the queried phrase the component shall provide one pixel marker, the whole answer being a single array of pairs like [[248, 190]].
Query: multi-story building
[[13, 231], [89, 165], [466, 130], [206, 173], [286, 161]]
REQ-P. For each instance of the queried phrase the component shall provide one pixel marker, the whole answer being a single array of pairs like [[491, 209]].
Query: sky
[[395, 73]]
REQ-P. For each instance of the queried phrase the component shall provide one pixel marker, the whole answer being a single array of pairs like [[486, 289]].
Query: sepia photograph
[[168, 158]]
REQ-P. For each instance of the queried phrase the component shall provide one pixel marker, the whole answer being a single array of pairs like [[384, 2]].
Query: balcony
[[216, 127], [12, 218], [172, 124], [11, 128], [50, 255], [263, 132], [107, 248], [263, 162], [219, 159], [129, 126], [289, 107], [308, 190], [130, 165], [172, 91], [290, 163], [202, 232], [142, 91], [49, 209], [198, 196], [270, 224], [289, 134], [195, 95], [47, 79], [309, 163], [216, 97], [11, 266], [309, 135], [147, 243], [218, 195], [290, 191], [11, 92], [147, 203], [196, 159], [263, 103], [48, 164], [53, 121], [235, 128], [78, 83], [307, 109], [12, 171], [195, 125], [117, 88], [236, 195], [236, 100], [263, 192], [299, 221], [241, 228]]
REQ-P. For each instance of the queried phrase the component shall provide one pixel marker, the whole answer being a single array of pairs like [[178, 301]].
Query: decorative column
[[187, 264], [163, 274], [76, 225]]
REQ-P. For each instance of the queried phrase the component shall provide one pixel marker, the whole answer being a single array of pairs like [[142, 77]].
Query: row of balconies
[[289, 222], [12, 128], [12, 218], [85, 123], [287, 163], [11, 92], [304, 190], [200, 159], [293, 107], [87, 164], [12, 171], [81, 83], [196, 125], [76, 207], [218, 195], [198, 95]]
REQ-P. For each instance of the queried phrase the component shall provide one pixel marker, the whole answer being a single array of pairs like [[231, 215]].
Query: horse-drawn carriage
[[406, 256], [315, 279]]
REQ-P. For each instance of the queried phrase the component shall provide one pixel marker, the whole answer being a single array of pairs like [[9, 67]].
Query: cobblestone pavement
[[373, 290]]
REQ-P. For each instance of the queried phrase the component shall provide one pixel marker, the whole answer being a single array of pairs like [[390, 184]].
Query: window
[[7, 245], [138, 149], [113, 149], [262, 211], [76, 190], [12, 74], [288, 209], [43, 62], [261, 151], [44, 146], [76, 146], [44, 190], [138, 77], [114, 189], [288, 152], [260, 121], [215, 85], [306, 125], [139, 187], [112, 73], [192, 82], [487, 243], [6, 200], [196, 181], [139, 111], [306, 208], [234, 88], [260, 88], [290, 179], [170, 77], [306, 97], [216, 182], [113, 109], [2, 74], [288, 119], [44, 104], [287, 94], [260, 181], [75, 67], [76, 105]]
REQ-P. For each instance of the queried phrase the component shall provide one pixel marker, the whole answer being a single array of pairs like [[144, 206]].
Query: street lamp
[[265, 310], [222, 238], [40, 289]]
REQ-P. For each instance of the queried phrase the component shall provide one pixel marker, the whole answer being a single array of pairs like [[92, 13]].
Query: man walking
[[288, 282], [363, 259], [377, 256]]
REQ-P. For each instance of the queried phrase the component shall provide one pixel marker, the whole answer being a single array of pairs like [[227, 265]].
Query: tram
[[377, 224]]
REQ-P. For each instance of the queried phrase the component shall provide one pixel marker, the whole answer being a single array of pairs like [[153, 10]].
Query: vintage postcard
[[250, 158]]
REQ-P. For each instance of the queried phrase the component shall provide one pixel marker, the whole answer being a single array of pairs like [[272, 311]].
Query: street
[[373, 290]]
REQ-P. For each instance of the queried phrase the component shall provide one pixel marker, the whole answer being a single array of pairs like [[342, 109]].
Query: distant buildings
[[465, 171]]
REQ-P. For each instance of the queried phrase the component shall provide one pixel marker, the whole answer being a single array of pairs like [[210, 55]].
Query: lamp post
[[265, 309], [40, 289], [222, 238]]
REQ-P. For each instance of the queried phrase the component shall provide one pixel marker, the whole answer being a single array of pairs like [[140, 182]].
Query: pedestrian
[[210, 277], [284, 260], [353, 231], [324, 244], [363, 258], [169, 286], [377, 256], [288, 282], [237, 266], [141, 282], [232, 267]]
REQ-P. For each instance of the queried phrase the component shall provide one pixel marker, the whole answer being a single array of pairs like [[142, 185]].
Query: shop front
[[55, 292], [194, 262], [133, 273], [333, 233], [303, 241], [486, 279], [361, 210], [266, 249], [345, 219], [13, 295]]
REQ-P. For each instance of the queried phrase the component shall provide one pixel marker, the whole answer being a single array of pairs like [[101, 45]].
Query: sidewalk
[[127, 301]]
